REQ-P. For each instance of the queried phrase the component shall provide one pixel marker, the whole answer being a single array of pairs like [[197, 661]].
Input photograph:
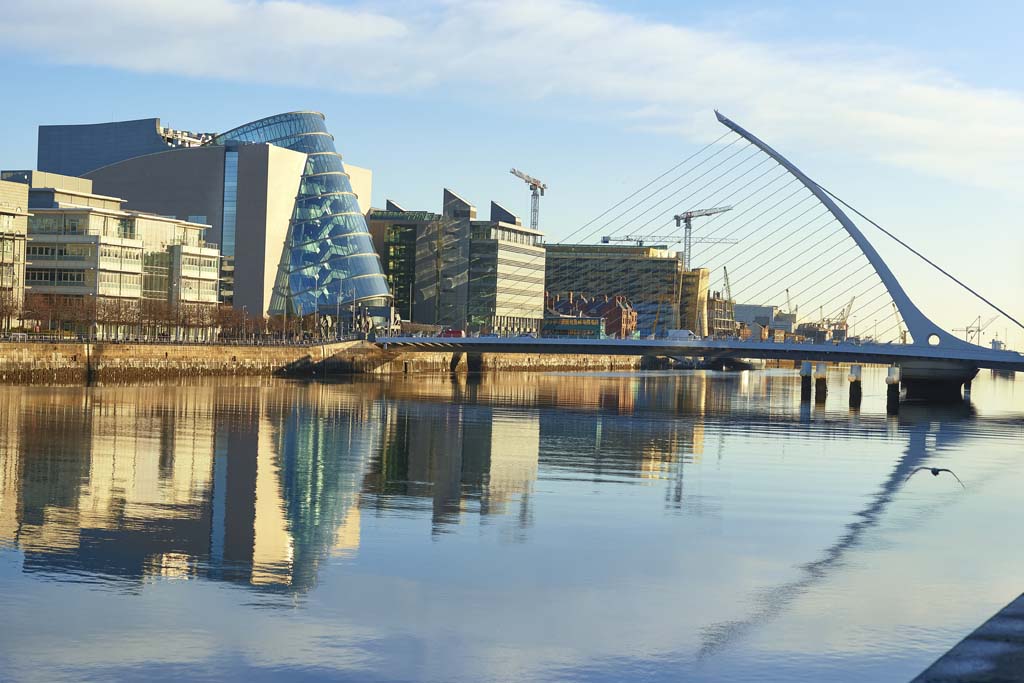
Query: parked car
[[488, 334], [452, 332], [528, 335]]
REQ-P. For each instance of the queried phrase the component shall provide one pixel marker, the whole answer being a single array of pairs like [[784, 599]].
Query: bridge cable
[[684, 187], [686, 200], [796, 231], [667, 185], [921, 256], [635, 193]]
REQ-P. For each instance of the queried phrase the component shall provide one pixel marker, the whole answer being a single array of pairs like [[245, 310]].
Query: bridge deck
[[846, 352]]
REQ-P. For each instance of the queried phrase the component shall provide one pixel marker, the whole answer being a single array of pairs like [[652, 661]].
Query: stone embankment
[[80, 362]]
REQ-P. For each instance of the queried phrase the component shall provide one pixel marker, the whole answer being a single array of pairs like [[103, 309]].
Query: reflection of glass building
[[235, 484], [279, 200]]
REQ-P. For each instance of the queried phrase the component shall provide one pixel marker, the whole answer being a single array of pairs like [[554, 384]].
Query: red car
[[450, 332]]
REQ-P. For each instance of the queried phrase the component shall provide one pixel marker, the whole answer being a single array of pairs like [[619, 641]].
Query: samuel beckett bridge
[[782, 237]]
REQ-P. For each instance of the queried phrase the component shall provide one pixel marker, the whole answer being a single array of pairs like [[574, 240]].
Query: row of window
[[122, 279], [119, 253], [199, 262], [66, 276]]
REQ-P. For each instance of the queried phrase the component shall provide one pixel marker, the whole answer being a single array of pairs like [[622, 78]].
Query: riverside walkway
[[994, 653]]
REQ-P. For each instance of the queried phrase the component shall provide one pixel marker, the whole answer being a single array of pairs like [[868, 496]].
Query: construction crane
[[537, 191], [789, 303], [899, 325], [972, 333], [662, 239], [844, 314], [686, 219]]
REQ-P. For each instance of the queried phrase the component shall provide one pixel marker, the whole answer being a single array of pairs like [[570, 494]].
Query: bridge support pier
[[820, 383], [936, 381], [855, 388], [805, 382], [892, 391]]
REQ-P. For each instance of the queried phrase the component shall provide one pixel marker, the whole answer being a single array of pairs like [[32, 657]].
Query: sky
[[913, 112]]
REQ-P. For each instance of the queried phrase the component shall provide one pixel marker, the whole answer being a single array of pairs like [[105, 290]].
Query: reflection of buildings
[[238, 484], [457, 455]]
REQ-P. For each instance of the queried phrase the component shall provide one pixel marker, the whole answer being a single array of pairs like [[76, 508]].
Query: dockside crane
[[640, 240], [972, 333], [686, 219], [537, 191]]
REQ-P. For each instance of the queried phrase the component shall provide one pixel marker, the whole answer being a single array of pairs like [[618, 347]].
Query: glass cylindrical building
[[328, 261]]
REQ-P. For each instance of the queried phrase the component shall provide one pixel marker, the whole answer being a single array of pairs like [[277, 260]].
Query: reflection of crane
[[686, 219], [972, 333], [537, 190]]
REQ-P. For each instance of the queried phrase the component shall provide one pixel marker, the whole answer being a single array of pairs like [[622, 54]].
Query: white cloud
[[655, 75]]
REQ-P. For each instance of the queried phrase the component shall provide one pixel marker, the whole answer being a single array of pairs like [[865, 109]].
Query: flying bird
[[935, 472]]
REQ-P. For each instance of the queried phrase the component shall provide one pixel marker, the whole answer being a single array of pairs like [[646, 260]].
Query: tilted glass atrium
[[328, 260]]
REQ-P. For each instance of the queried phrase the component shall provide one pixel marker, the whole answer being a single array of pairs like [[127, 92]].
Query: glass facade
[[227, 239], [328, 257]]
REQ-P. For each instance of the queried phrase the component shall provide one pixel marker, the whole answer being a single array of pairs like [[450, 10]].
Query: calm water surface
[[546, 527]]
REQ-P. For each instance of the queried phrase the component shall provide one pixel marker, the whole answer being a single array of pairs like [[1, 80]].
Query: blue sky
[[914, 113]]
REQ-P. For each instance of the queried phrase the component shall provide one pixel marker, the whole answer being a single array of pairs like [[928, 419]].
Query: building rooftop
[[647, 251]]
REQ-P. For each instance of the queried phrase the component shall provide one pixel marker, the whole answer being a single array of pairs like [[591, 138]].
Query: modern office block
[[13, 228], [452, 270], [113, 273]]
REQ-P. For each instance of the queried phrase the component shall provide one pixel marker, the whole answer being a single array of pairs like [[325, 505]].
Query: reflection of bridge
[[932, 356]]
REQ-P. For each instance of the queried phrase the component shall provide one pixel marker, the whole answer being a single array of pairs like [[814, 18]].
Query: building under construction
[[664, 294]]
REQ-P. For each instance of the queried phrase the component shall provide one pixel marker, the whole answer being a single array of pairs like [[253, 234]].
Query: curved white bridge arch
[[923, 331]]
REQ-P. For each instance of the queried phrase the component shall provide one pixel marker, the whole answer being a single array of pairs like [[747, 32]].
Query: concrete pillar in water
[[892, 393], [936, 381], [855, 388], [805, 381], [820, 383]]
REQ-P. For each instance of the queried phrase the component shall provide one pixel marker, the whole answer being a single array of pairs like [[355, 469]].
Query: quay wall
[[80, 362]]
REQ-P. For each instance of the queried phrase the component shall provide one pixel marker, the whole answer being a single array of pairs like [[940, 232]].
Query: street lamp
[[176, 302], [245, 319], [316, 302]]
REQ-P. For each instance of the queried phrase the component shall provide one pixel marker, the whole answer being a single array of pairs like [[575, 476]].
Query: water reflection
[[250, 485], [928, 429], [258, 484], [545, 526]]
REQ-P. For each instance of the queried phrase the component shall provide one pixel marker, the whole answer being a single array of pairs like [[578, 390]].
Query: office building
[[13, 228], [399, 236], [453, 270], [286, 213], [663, 293], [721, 320], [693, 304], [94, 268]]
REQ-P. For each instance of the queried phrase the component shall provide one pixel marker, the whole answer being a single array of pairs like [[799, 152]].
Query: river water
[[525, 527]]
